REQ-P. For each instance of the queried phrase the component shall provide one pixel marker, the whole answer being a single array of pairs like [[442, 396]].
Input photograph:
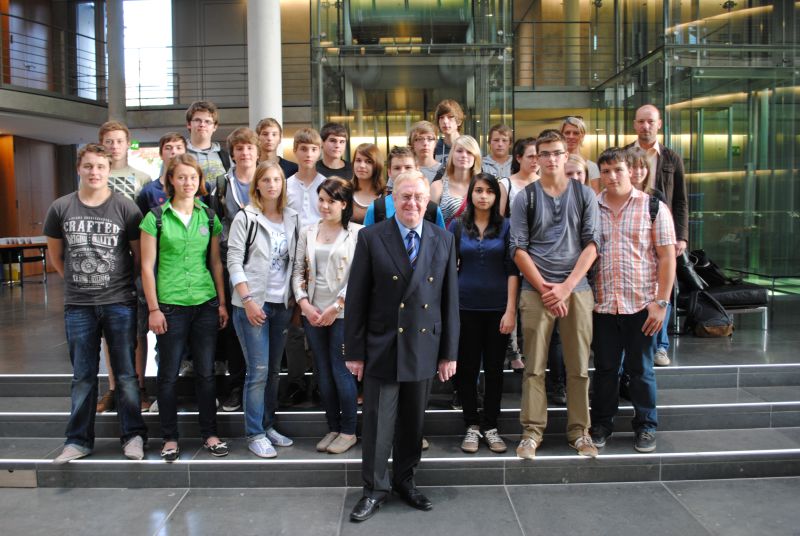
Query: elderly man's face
[[410, 200]]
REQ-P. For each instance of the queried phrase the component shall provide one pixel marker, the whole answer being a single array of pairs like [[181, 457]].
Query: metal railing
[[45, 58], [558, 54]]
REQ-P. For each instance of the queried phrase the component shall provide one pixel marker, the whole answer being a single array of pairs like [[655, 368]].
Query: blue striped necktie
[[411, 248]]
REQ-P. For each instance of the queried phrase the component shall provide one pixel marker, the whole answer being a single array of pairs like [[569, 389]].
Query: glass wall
[[380, 65], [724, 78]]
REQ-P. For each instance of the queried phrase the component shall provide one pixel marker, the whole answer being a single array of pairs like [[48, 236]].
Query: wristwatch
[[662, 303], [337, 307]]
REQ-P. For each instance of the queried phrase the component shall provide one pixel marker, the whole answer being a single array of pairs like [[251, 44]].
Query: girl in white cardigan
[[319, 280], [261, 249]]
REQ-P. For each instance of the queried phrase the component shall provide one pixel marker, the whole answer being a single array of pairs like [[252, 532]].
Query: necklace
[[326, 237]]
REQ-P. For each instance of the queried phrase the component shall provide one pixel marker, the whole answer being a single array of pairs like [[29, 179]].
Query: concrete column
[[264, 73], [115, 32], [572, 42]]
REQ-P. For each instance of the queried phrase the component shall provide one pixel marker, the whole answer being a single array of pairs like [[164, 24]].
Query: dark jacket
[[670, 180], [400, 321]]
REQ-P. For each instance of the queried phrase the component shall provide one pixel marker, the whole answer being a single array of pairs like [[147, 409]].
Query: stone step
[[681, 455], [696, 377]]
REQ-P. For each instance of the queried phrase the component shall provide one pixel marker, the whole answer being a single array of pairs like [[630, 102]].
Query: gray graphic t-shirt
[[98, 266]]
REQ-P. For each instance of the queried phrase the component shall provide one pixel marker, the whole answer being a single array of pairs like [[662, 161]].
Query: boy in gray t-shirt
[[93, 238], [554, 252]]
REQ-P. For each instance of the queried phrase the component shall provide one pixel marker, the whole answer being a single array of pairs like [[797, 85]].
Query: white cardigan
[[256, 271], [339, 261]]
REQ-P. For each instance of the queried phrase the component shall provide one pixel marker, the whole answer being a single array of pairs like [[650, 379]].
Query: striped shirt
[[626, 276]]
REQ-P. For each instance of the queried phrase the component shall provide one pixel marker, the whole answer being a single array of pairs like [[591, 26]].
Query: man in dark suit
[[401, 327], [666, 170]]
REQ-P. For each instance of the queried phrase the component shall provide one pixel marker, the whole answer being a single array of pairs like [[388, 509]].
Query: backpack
[[706, 317], [251, 236], [711, 273], [158, 212], [379, 210]]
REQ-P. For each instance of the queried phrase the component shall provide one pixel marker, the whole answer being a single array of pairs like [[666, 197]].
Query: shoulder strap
[[210, 215], [530, 196], [379, 210], [654, 206], [457, 235], [439, 174], [220, 190], [158, 212], [225, 158]]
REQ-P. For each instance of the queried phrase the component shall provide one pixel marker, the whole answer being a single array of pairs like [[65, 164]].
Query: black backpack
[[710, 271], [706, 317], [379, 210]]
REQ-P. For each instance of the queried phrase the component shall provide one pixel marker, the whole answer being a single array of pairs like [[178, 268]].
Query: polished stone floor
[[763, 507]]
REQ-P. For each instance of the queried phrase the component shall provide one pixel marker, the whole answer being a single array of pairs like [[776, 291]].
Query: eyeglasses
[[428, 139], [207, 122], [419, 199], [544, 155]]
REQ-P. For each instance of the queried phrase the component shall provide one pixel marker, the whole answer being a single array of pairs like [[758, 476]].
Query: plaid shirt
[[626, 276]]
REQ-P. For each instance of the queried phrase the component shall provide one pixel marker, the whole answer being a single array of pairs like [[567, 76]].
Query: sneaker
[[106, 402], [145, 400], [278, 439], [154, 406], [471, 440], [455, 403], [326, 441], [234, 400], [645, 441], [494, 441], [71, 452], [341, 444], [134, 448], [262, 448], [661, 359], [425, 444], [527, 449], [187, 368], [220, 368], [584, 446], [600, 436], [559, 394]]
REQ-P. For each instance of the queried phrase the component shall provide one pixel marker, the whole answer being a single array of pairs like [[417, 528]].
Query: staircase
[[727, 409]]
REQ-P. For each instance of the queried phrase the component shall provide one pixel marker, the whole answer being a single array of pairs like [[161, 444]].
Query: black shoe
[[645, 441], [624, 387], [599, 436], [413, 497], [455, 403], [294, 395], [365, 508], [234, 400]]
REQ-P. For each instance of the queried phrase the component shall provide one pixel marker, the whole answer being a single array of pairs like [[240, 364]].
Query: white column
[[116, 60], [264, 73]]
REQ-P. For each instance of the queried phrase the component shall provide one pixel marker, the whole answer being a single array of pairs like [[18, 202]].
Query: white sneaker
[[661, 359], [134, 448], [262, 448], [278, 439], [471, 440], [71, 452], [494, 441], [186, 369], [154, 407]]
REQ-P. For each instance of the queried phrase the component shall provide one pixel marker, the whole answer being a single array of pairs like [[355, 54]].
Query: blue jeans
[[263, 348], [337, 386], [195, 327], [615, 336], [85, 324], [662, 337]]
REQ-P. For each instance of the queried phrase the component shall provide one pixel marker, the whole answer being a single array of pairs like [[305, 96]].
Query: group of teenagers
[[577, 256]]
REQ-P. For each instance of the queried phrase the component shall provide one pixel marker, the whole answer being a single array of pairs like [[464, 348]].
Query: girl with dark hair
[[319, 280], [368, 181], [186, 298], [488, 282]]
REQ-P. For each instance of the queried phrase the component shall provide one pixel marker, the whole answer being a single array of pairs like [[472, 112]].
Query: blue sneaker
[[262, 448], [278, 439]]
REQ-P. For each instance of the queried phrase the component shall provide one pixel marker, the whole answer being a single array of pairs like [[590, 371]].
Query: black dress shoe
[[365, 508], [414, 498]]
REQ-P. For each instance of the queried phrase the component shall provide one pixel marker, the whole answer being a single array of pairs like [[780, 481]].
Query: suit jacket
[[671, 182], [400, 321], [304, 272]]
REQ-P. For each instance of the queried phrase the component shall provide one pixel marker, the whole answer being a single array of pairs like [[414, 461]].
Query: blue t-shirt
[[485, 266]]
